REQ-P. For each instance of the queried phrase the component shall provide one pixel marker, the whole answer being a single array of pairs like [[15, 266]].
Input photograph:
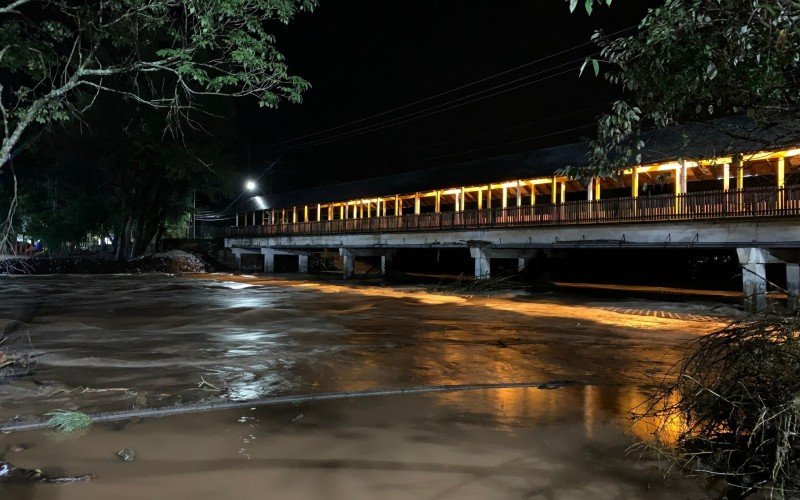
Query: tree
[[697, 60], [56, 56], [122, 177]]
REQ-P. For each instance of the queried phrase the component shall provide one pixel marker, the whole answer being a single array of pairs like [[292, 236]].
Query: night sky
[[365, 57]]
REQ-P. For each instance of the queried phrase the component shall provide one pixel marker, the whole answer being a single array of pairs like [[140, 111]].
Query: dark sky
[[365, 57]]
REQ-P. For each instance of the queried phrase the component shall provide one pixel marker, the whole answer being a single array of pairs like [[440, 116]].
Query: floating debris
[[68, 421], [127, 455]]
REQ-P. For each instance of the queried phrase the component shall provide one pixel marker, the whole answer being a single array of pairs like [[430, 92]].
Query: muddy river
[[120, 342]]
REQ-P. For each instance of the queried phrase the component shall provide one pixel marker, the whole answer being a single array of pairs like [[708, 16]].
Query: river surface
[[120, 342]]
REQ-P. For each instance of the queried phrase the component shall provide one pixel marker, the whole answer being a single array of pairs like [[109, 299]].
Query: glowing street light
[[250, 185]]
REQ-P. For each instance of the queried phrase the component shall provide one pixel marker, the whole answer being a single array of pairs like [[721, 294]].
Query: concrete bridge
[[709, 205]]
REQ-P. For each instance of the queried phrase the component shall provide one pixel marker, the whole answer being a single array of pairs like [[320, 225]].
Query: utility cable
[[456, 89], [292, 399]]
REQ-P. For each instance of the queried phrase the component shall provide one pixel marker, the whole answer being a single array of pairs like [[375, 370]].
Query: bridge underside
[[758, 242]]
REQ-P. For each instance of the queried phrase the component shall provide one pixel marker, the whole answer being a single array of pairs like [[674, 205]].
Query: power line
[[456, 89], [462, 138], [417, 115], [526, 139]]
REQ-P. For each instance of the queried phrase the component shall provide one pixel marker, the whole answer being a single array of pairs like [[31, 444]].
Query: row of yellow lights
[[658, 167]]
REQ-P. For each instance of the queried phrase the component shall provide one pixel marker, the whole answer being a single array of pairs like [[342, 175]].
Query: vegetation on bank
[[731, 409], [165, 262]]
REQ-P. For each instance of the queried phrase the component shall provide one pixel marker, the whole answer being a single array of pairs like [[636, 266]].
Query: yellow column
[[272, 217], [781, 180], [739, 165], [305, 213], [505, 197], [726, 177], [563, 192], [480, 199], [489, 196], [437, 204], [319, 212], [554, 191], [533, 193], [396, 205], [463, 199], [457, 198], [283, 216], [684, 177], [342, 214], [416, 204], [635, 182], [519, 194], [678, 190]]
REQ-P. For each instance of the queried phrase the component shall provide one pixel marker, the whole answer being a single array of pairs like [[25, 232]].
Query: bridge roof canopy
[[693, 141]]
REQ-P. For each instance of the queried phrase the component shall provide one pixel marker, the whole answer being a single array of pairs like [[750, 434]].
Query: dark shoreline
[[167, 262]]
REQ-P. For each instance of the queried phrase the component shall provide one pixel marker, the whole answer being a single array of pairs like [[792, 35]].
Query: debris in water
[[14, 475], [68, 421], [16, 448], [295, 419], [127, 455], [207, 386]]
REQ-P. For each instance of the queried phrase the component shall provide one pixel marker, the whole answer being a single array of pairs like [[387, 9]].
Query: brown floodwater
[[117, 342]]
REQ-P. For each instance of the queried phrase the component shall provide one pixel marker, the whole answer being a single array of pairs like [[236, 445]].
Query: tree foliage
[[695, 60], [56, 56], [122, 177]]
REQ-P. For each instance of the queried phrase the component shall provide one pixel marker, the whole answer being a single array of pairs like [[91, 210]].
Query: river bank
[[174, 261]]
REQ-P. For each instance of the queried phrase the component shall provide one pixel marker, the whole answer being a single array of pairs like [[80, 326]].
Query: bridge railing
[[749, 202]]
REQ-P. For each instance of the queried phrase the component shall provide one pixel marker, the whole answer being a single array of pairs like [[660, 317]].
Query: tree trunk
[[123, 246], [160, 236]]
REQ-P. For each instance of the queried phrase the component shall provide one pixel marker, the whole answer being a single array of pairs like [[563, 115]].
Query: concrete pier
[[792, 285], [269, 260], [482, 263], [302, 263], [754, 277]]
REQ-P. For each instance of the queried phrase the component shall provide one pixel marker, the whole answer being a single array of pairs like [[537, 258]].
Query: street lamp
[[250, 185]]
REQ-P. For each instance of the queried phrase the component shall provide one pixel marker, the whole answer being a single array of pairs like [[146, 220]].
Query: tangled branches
[[735, 401]]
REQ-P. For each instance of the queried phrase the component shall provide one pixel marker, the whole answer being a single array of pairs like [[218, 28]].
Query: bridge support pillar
[[302, 263], [522, 264], [482, 263], [754, 277], [269, 260], [793, 285], [386, 264], [348, 266]]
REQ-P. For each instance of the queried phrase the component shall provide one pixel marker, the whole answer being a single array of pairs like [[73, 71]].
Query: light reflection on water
[[299, 337]]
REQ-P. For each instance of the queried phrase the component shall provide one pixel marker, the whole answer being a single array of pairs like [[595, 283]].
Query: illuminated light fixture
[[792, 152], [260, 203], [250, 185]]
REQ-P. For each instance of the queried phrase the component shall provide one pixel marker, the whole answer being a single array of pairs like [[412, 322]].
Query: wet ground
[[116, 342]]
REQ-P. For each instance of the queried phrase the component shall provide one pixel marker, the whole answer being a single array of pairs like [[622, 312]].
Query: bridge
[[741, 201]]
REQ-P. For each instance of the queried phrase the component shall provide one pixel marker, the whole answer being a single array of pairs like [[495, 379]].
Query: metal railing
[[749, 202]]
